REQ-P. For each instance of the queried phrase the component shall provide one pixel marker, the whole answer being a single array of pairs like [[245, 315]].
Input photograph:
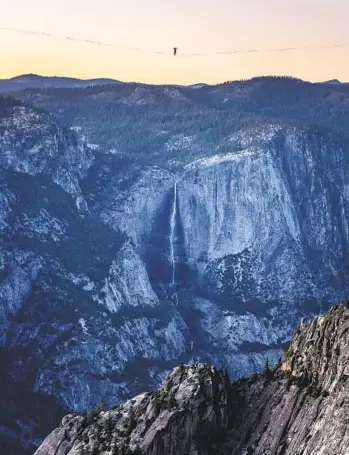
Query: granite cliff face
[[145, 226], [311, 415], [298, 407], [154, 423]]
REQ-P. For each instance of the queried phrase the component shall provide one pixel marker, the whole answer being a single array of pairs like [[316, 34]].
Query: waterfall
[[173, 231]]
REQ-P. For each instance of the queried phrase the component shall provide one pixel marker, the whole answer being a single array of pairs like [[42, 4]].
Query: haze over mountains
[[144, 226], [35, 81]]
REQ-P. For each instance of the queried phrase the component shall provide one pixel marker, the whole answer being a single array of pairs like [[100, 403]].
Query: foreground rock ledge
[[299, 407]]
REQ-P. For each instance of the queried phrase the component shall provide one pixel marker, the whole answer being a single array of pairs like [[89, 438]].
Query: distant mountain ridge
[[35, 81]]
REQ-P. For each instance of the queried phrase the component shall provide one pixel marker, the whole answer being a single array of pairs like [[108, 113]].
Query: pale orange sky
[[192, 25]]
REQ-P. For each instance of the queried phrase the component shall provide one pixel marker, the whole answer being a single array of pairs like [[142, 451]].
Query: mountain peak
[[27, 77], [333, 82]]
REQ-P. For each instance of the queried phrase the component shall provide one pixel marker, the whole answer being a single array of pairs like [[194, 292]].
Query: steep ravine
[[300, 407]]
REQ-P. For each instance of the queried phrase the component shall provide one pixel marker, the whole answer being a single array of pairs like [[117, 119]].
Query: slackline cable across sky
[[175, 51]]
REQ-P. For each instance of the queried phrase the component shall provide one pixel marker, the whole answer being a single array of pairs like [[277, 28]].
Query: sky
[[205, 26]]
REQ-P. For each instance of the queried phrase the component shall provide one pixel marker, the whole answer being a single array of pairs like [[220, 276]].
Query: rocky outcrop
[[32, 142], [300, 407], [189, 414]]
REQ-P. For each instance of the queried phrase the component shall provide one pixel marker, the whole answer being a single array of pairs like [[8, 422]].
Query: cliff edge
[[299, 407]]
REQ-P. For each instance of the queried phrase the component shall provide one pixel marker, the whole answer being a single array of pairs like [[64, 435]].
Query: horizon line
[[285, 76]]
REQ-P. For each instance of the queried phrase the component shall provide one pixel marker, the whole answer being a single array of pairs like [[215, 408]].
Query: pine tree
[[266, 366], [109, 425], [267, 372]]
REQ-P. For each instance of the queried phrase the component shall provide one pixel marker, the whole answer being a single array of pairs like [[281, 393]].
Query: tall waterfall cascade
[[173, 233]]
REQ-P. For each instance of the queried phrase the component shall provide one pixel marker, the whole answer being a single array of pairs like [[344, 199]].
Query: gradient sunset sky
[[204, 26]]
